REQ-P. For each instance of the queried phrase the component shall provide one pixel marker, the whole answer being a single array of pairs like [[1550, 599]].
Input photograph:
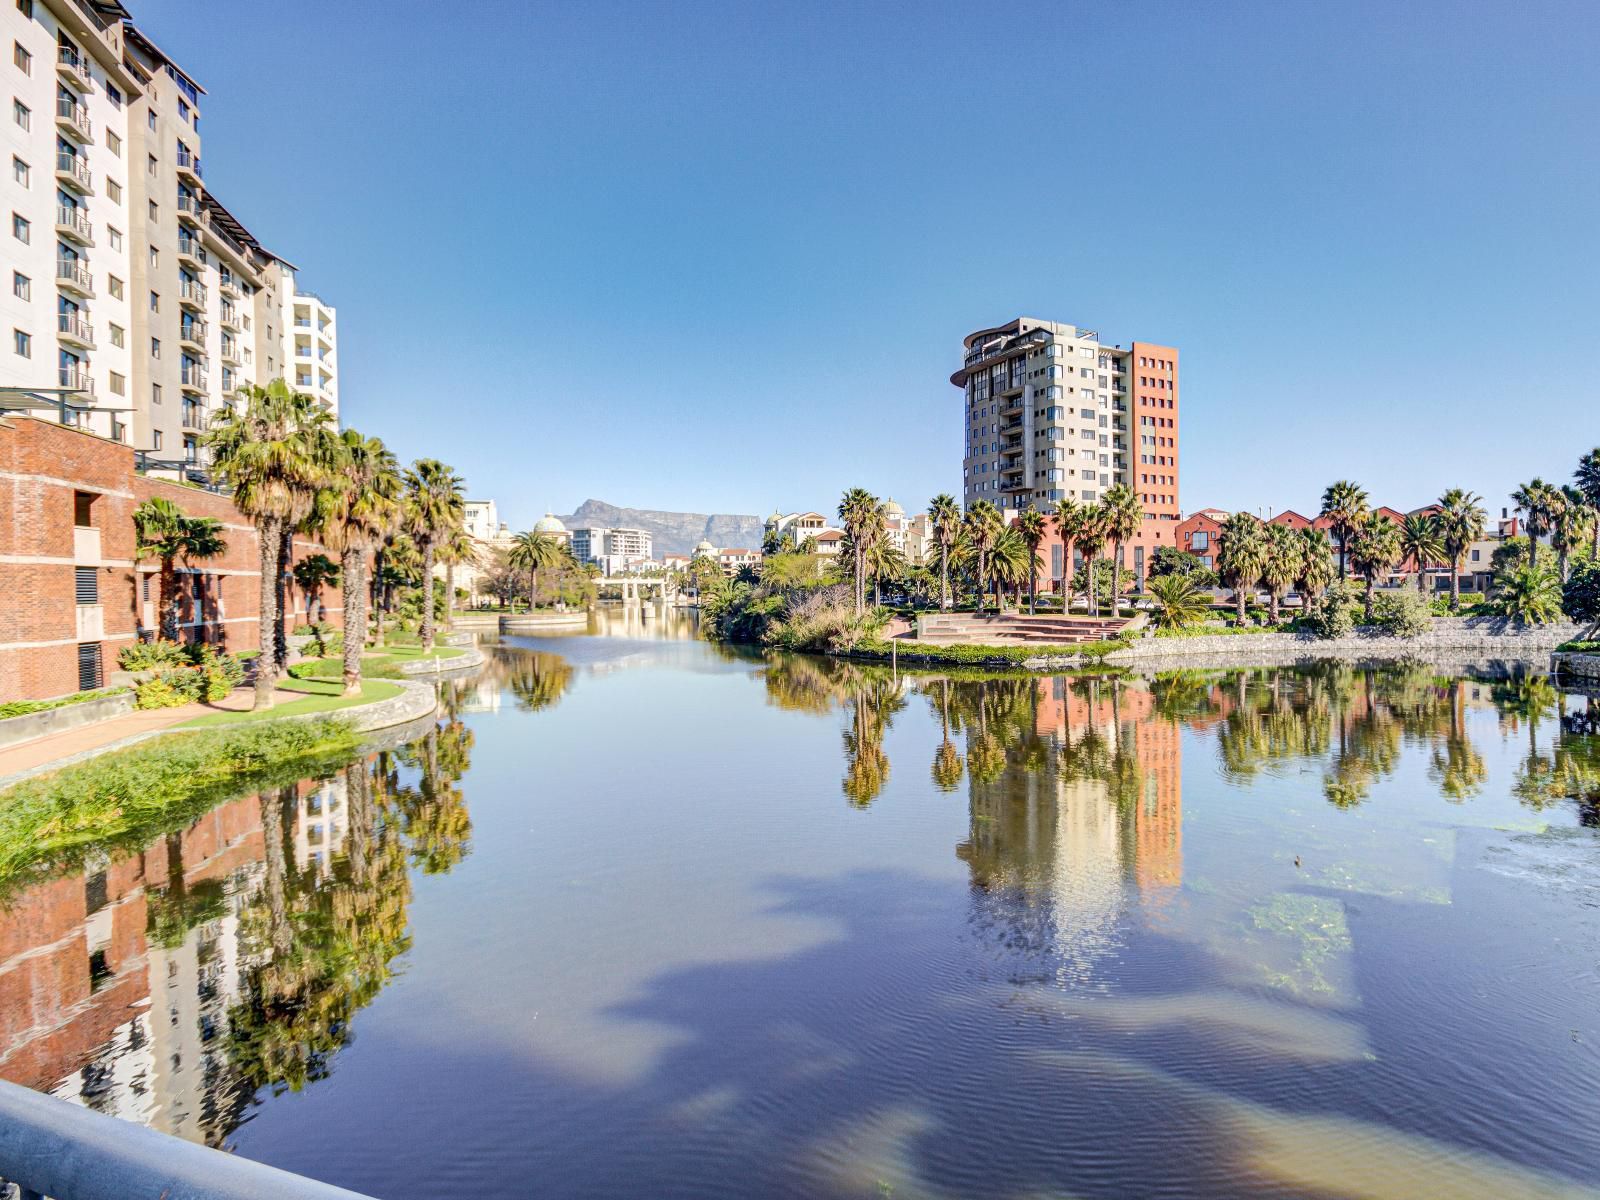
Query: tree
[[1536, 501], [1010, 564], [1123, 517], [1178, 600], [1091, 539], [1570, 519], [162, 531], [1374, 548], [434, 506], [365, 506], [1169, 560], [1030, 524], [531, 553], [945, 515], [1343, 504], [1587, 479], [1461, 522], [1241, 555], [1421, 544], [861, 515], [1316, 567], [1069, 524], [455, 548], [313, 573], [1580, 597], [1282, 558], [274, 449], [1529, 593], [981, 526], [884, 563]]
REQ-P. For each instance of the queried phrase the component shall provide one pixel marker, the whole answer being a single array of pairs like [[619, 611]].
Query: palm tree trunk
[[269, 543], [1238, 600], [427, 595], [944, 576], [449, 594], [1033, 581], [279, 933], [280, 636], [1455, 585], [169, 599], [1272, 606], [533, 589], [1372, 579], [355, 620]]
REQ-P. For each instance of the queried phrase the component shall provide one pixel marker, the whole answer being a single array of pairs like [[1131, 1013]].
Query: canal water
[[644, 917]]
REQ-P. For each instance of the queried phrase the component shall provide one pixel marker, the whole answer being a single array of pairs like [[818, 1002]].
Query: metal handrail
[[58, 1149]]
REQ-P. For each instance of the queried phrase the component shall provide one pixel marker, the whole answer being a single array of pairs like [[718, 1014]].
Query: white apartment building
[[608, 547], [136, 304]]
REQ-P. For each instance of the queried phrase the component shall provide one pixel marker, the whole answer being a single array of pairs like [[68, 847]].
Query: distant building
[[614, 551], [551, 525], [731, 559], [799, 526]]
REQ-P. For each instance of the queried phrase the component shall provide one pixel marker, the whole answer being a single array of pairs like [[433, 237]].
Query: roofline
[[138, 36]]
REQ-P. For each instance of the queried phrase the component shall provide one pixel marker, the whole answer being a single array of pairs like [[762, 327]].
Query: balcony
[[73, 118], [228, 286], [193, 334], [230, 351], [74, 69], [74, 225], [190, 212], [230, 317], [76, 379], [188, 167], [193, 379], [194, 417], [192, 294], [190, 250], [73, 172], [75, 331], [72, 275]]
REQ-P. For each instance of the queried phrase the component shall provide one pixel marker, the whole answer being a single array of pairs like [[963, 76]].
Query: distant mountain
[[673, 532]]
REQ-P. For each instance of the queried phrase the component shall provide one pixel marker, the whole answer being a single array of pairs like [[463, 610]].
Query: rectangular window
[[21, 286], [113, 142], [86, 585], [21, 114], [155, 398], [115, 96], [155, 303], [119, 336], [114, 286], [83, 509], [20, 228], [89, 674], [22, 342], [155, 257], [151, 165], [150, 119], [155, 347], [155, 211], [119, 384], [116, 237], [22, 58], [19, 171], [25, 7], [113, 191]]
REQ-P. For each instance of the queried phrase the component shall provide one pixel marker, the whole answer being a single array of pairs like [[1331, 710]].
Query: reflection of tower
[[320, 825]]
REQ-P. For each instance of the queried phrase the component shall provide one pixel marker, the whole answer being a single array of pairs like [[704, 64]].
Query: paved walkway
[[55, 746]]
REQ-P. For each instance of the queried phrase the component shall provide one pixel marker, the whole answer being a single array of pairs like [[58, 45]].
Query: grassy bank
[[322, 696], [383, 665], [931, 653], [22, 708], [122, 799]]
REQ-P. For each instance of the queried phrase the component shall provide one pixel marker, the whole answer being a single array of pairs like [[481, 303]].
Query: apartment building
[[604, 546], [1050, 412], [138, 305]]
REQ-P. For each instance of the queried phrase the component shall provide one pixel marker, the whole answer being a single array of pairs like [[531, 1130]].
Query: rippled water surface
[[641, 917]]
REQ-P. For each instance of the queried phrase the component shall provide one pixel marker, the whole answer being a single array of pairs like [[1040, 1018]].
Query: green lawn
[[376, 665], [321, 696]]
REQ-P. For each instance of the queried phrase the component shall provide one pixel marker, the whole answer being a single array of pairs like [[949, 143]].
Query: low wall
[[572, 620], [1571, 665], [440, 666], [69, 716]]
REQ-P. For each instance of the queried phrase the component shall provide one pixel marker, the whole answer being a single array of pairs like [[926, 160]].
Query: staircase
[[1016, 629]]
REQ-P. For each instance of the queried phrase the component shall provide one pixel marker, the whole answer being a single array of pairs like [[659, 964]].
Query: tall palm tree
[[1282, 562], [1241, 555], [1374, 548], [1570, 519], [434, 506], [1030, 524], [313, 573], [162, 531], [859, 510], [884, 562], [1536, 501], [454, 549], [1461, 522], [1124, 517], [982, 526], [1091, 540], [274, 449], [531, 553], [1069, 523], [1343, 504], [364, 507], [1421, 544], [1316, 567], [946, 517], [1587, 478], [1010, 563]]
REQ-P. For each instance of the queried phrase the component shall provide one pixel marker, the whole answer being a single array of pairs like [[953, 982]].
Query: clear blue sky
[[720, 256]]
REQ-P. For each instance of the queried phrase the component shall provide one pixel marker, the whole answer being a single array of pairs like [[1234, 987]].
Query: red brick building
[[71, 594]]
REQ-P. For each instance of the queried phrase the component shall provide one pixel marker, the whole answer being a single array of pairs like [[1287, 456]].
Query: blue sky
[[720, 256]]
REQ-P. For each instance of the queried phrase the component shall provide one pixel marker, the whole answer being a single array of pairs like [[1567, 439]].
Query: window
[[119, 336], [114, 286], [86, 585], [119, 384], [155, 398], [155, 211], [155, 347], [155, 257], [113, 142], [19, 171], [183, 111], [21, 113], [155, 305], [89, 678], [115, 96], [21, 286], [151, 165], [155, 437], [150, 119], [25, 7], [22, 58], [113, 191], [22, 342], [116, 237]]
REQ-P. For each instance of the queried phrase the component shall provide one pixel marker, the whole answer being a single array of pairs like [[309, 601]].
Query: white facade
[[622, 549], [311, 343]]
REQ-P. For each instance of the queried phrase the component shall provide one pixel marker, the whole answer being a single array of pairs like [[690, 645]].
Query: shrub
[[160, 691], [21, 708], [1580, 595], [1404, 613], [142, 656], [1336, 617]]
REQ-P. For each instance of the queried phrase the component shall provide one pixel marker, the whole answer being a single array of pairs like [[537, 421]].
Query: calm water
[[646, 918]]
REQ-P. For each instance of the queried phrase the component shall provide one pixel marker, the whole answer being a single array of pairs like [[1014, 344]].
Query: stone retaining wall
[[69, 716], [440, 666], [1577, 666], [576, 620]]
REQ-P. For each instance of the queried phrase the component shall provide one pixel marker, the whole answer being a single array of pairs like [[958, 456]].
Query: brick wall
[[43, 467]]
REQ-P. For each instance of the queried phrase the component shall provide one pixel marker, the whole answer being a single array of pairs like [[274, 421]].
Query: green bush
[[1580, 647], [142, 656], [21, 708], [1404, 613], [169, 688], [1336, 618]]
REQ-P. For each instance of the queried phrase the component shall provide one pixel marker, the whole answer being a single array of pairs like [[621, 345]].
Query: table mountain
[[674, 532]]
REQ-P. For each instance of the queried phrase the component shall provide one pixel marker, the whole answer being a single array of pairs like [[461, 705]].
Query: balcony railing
[[73, 223], [194, 417], [193, 292], [189, 247], [193, 377], [230, 316], [77, 379], [228, 286], [193, 331], [189, 163], [74, 328], [191, 210], [72, 171], [74, 68], [73, 273], [75, 118]]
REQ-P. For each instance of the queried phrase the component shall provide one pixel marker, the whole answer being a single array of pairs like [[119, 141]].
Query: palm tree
[[1343, 504], [1316, 567], [1587, 477], [1009, 561], [1282, 560], [859, 510], [274, 449], [1123, 518], [1570, 519], [884, 561], [455, 548], [531, 553], [1536, 500], [1069, 523], [946, 517], [434, 506], [1461, 522], [1241, 555], [1420, 542], [1374, 548], [1179, 601], [162, 531], [982, 527], [365, 506], [1030, 524], [1091, 540], [313, 573], [1529, 593]]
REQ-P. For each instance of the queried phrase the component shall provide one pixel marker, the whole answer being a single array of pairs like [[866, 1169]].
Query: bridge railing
[[51, 1148]]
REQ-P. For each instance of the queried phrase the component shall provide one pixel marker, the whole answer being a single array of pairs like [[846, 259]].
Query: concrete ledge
[[1572, 665], [525, 624], [69, 716], [443, 666]]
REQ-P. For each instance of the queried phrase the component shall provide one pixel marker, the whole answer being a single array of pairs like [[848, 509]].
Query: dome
[[705, 550], [549, 523], [891, 509], [775, 517]]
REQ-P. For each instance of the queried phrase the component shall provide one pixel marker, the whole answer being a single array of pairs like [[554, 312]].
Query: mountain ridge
[[672, 532]]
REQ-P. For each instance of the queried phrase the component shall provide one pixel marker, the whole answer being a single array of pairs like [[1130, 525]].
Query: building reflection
[[170, 985]]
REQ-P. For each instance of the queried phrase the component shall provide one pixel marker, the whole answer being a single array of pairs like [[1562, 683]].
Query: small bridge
[[633, 586]]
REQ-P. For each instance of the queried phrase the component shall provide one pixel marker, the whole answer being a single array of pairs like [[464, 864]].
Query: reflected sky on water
[[644, 916]]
